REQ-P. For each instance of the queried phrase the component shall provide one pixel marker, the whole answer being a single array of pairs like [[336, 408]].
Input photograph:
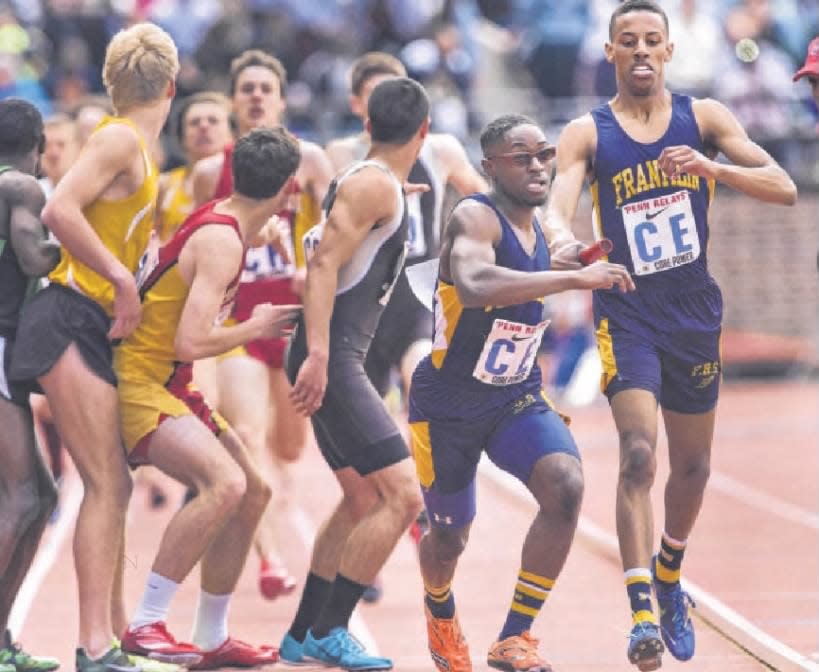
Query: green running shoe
[[114, 660], [13, 656], [148, 664]]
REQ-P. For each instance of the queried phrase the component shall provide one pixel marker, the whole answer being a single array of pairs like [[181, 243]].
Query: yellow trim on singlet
[[421, 447], [448, 310], [606, 350], [307, 216], [597, 220], [712, 194], [124, 227]]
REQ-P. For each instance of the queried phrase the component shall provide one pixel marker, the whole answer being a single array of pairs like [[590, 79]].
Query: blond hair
[[140, 62]]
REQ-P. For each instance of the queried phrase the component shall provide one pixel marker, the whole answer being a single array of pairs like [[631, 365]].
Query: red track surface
[[756, 548]]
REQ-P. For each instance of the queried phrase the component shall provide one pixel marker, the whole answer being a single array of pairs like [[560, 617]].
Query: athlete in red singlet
[[254, 374]]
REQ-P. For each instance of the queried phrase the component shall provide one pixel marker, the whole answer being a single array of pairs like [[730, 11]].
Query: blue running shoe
[[340, 649], [675, 623], [645, 648], [291, 652]]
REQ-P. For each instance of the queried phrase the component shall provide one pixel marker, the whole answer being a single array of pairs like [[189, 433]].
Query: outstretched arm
[[35, 253], [474, 231], [752, 170]]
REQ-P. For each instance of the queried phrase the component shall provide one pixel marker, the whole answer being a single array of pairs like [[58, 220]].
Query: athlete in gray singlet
[[354, 257]]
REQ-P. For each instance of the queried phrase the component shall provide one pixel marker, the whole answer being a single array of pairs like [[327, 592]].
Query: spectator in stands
[[756, 88], [696, 36], [552, 34]]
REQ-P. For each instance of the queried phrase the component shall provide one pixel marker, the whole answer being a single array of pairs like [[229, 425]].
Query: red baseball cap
[[811, 66]]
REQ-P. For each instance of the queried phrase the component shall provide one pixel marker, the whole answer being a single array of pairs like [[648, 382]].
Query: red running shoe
[[275, 580], [235, 653], [155, 642]]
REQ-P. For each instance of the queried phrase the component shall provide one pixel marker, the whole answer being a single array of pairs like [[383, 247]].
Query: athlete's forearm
[[768, 183], [319, 297], [78, 237], [492, 285], [200, 344], [37, 255]]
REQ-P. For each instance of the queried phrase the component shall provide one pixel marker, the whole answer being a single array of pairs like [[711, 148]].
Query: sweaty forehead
[[525, 136], [639, 22]]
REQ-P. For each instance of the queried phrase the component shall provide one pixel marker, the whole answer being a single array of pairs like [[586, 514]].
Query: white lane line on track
[[734, 625], [307, 532], [762, 500], [70, 500]]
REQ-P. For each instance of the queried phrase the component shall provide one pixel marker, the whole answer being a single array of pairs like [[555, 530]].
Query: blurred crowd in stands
[[51, 52]]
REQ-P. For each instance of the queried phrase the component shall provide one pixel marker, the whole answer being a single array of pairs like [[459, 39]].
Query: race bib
[[264, 262], [509, 352], [661, 233], [415, 233]]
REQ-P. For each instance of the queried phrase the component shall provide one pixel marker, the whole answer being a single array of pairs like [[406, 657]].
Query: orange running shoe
[[517, 654], [447, 644]]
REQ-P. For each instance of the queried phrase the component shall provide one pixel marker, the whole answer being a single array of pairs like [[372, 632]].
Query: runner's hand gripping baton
[[594, 252]]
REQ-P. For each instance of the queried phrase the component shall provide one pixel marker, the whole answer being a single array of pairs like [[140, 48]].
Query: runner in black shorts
[[354, 257], [27, 490], [102, 214], [404, 334]]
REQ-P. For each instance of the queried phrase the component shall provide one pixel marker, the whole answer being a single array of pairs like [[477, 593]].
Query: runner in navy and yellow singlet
[[649, 156], [187, 291], [102, 214], [28, 493], [250, 385], [480, 391]]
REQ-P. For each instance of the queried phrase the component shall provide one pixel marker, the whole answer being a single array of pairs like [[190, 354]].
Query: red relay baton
[[594, 252]]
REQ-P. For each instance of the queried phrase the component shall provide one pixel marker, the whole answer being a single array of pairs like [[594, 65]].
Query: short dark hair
[[636, 6], [397, 108], [201, 97], [371, 64], [263, 160], [21, 127], [261, 58], [495, 131]]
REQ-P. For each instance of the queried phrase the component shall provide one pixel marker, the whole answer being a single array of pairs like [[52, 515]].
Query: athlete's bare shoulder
[[711, 115], [19, 188], [470, 216], [579, 136], [205, 176], [210, 165], [444, 144], [342, 151]]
